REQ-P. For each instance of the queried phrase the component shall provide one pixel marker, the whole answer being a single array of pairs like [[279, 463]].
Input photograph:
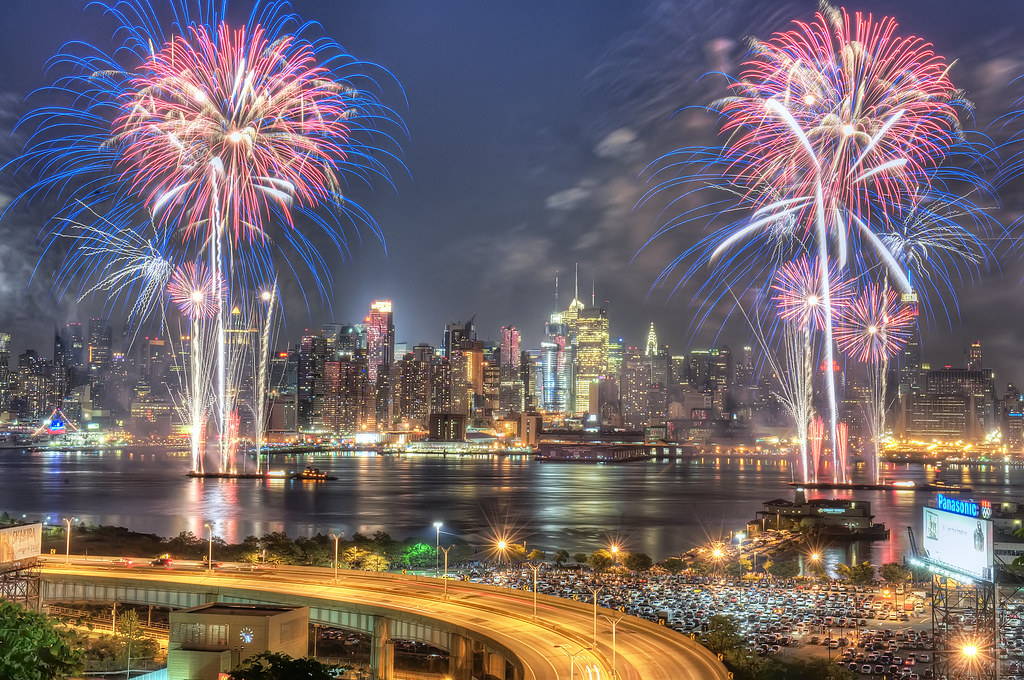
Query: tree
[[859, 574], [722, 635], [354, 557], [132, 642], [276, 666], [672, 565], [638, 562], [600, 560], [804, 669], [894, 573], [32, 649], [375, 562], [579, 558], [561, 557], [419, 556], [784, 569], [536, 555]]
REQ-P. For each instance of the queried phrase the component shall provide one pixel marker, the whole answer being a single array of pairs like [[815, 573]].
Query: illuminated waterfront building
[[556, 366], [591, 354], [380, 337], [412, 388], [310, 379]]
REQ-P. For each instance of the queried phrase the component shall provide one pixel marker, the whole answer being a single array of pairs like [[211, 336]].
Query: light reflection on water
[[655, 507]]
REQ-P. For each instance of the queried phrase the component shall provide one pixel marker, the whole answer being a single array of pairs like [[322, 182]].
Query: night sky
[[530, 123]]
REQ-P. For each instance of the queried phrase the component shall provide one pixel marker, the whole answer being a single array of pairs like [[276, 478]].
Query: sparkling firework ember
[[797, 292], [875, 326], [194, 292]]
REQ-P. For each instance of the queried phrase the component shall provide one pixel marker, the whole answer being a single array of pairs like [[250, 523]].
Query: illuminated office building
[[380, 337]]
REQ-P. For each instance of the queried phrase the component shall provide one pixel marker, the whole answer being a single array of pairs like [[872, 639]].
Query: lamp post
[[335, 537], [209, 551], [437, 547], [594, 592], [614, 623], [535, 568], [445, 551], [572, 658], [67, 539]]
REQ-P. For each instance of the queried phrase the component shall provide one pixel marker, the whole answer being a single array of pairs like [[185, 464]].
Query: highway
[[643, 650]]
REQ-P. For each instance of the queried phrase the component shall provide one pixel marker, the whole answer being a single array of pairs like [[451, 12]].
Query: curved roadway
[[644, 651]]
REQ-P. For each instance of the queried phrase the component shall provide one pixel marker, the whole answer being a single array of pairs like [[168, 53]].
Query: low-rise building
[[213, 638]]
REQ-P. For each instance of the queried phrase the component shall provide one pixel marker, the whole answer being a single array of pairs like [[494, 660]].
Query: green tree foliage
[[638, 562], [419, 556], [561, 557], [579, 558], [600, 560], [536, 555], [859, 574], [672, 565], [784, 569], [894, 573], [31, 648], [275, 666], [797, 669]]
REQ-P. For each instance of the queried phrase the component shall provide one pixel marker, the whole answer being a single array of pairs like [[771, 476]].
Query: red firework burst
[[798, 292], [846, 104], [219, 131], [875, 326]]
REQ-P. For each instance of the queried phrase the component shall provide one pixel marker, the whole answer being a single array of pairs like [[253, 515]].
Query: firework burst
[[194, 291], [239, 139], [797, 292], [875, 326]]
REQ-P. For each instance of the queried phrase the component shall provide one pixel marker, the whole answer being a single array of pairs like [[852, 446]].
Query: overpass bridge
[[489, 632]]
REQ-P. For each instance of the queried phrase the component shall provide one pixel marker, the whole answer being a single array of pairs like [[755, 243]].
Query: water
[[660, 508]]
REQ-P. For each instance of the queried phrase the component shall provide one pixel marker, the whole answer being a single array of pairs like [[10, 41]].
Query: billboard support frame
[[21, 585]]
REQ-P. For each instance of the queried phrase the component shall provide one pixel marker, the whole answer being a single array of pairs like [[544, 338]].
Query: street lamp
[[209, 551], [535, 568], [594, 592], [614, 549], [67, 538], [445, 551], [335, 537], [437, 546], [572, 658], [614, 623]]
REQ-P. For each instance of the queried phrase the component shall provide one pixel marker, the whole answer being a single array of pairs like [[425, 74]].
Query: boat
[[312, 474]]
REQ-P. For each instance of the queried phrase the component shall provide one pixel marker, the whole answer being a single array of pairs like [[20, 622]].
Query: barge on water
[[591, 452]]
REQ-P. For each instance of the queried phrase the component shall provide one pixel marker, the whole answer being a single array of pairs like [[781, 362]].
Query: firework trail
[[126, 264], [799, 304], [239, 139], [198, 296], [872, 329], [835, 129]]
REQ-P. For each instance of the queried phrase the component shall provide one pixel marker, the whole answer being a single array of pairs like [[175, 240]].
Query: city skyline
[[559, 219]]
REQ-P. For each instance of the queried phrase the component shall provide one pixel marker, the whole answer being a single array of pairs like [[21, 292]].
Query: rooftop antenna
[[593, 292], [576, 283], [556, 291]]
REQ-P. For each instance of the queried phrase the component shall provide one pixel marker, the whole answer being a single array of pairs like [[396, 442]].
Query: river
[[660, 508]]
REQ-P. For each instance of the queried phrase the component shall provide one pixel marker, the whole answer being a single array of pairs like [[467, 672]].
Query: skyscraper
[[380, 337], [591, 345], [556, 367], [974, 357]]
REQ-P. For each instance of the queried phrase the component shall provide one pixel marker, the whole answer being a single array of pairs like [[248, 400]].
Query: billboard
[[20, 545], [959, 542]]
